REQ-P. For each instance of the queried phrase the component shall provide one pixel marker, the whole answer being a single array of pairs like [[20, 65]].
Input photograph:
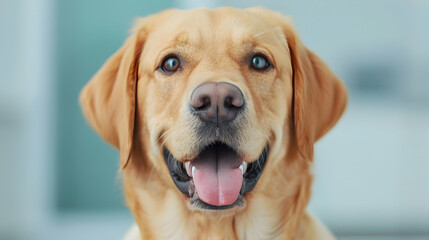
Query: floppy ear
[[319, 97], [109, 99]]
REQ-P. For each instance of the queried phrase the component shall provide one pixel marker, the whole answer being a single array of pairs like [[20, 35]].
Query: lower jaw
[[199, 205], [217, 213]]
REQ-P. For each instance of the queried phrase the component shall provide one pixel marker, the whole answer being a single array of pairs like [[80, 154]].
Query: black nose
[[217, 102]]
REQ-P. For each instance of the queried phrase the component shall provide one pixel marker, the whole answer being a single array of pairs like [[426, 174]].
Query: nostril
[[204, 103], [228, 103], [232, 103]]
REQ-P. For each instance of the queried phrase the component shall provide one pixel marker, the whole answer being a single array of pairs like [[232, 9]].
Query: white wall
[[27, 132], [26, 115]]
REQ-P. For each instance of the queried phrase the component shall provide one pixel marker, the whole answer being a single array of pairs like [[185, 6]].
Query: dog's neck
[[269, 213]]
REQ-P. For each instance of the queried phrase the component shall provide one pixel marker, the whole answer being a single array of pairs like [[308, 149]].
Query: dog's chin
[[217, 181], [217, 211]]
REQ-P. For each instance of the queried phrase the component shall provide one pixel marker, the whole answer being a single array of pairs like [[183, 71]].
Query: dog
[[215, 114]]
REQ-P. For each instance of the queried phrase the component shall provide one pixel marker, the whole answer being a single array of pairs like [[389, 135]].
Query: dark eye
[[170, 64], [260, 62]]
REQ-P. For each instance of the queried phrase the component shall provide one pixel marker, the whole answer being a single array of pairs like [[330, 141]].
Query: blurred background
[[58, 179]]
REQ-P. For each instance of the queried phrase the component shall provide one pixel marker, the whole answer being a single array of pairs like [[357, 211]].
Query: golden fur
[[139, 110]]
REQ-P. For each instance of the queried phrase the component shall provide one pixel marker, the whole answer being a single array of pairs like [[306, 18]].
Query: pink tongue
[[217, 176]]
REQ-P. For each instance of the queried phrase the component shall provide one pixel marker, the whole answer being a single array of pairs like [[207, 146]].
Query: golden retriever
[[215, 114]]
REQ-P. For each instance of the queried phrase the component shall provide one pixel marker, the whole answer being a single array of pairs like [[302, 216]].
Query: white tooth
[[187, 166], [193, 170], [242, 169]]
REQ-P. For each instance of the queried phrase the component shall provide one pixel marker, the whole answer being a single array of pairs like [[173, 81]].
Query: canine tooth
[[193, 170], [243, 167], [187, 166]]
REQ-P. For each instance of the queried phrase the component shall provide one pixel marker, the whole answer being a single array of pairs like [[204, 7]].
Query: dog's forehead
[[204, 26]]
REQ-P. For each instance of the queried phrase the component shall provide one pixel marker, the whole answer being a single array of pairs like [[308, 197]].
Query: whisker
[[166, 135], [166, 132]]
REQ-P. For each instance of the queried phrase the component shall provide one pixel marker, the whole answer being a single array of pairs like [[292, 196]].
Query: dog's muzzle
[[218, 177]]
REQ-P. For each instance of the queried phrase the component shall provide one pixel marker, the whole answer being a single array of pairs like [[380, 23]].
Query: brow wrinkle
[[266, 31]]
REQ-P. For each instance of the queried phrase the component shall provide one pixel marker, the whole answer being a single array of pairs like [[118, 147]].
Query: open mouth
[[217, 178]]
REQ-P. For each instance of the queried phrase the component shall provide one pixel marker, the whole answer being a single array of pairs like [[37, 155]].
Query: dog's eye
[[170, 64], [260, 62]]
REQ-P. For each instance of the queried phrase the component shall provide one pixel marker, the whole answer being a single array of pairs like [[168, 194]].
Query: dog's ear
[[109, 99], [319, 97]]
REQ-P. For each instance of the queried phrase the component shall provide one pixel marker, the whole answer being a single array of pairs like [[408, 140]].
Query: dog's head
[[213, 97]]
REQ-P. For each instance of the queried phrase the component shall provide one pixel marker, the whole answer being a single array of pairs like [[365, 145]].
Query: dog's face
[[215, 99]]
